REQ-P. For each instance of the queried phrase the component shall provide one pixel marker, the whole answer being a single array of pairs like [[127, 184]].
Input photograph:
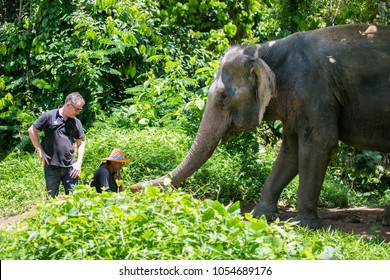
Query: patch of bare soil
[[12, 222], [362, 221]]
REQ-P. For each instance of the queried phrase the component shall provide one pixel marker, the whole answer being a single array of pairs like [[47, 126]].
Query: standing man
[[56, 151]]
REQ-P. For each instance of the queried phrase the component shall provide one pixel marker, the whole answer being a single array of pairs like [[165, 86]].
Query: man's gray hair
[[74, 97]]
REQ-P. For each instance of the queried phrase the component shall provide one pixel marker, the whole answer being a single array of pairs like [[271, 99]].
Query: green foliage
[[102, 50], [334, 193], [364, 170], [139, 59], [309, 15], [152, 225], [235, 19], [144, 68], [154, 152], [21, 182], [175, 100], [349, 247]]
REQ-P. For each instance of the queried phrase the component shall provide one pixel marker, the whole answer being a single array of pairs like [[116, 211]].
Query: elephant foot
[[309, 221], [270, 213]]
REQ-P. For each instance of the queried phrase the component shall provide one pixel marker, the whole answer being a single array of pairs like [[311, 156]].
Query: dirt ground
[[363, 221], [14, 222]]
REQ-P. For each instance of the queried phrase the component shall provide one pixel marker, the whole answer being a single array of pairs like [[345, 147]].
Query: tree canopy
[[144, 62]]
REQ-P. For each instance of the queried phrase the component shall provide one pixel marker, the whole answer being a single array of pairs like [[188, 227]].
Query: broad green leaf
[[234, 222], [171, 64], [220, 208], [40, 83], [142, 49], [276, 242], [155, 58], [208, 215], [2, 87], [74, 211], [250, 218], [129, 38], [259, 224], [203, 69], [53, 222], [64, 237], [116, 210], [135, 89], [152, 191], [133, 71], [234, 207], [22, 44], [147, 234], [3, 49], [91, 34], [130, 218], [115, 72]]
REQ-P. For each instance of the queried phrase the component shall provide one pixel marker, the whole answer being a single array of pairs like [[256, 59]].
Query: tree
[[14, 9]]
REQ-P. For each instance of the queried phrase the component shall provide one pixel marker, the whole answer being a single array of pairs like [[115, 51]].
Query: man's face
[[117, 166], [73, 109]]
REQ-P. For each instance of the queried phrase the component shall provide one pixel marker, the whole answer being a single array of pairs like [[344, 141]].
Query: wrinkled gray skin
[[323, 85]]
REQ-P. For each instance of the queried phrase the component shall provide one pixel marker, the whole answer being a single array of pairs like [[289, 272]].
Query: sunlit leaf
[[208, 215]]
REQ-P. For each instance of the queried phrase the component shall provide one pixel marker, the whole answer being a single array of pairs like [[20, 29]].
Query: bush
[[362, 171], [151, 225]]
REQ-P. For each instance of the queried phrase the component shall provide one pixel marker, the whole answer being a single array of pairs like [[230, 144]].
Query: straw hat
[[117, 156]]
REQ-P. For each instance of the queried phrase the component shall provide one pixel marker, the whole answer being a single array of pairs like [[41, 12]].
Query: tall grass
[[21, 183]]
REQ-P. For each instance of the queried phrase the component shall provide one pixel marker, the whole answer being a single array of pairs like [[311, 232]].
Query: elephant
[[324, 85]]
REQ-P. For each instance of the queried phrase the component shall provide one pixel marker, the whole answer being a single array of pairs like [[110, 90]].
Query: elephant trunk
[[204, 145]]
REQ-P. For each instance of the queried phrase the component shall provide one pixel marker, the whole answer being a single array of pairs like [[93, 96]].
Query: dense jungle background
[[144, 68]]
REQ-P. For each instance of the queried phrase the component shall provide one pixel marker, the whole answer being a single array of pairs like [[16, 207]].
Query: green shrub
[[350, 246], [151, 225]]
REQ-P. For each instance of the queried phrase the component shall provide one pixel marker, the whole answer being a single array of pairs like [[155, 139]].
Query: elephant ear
[[266, 86]]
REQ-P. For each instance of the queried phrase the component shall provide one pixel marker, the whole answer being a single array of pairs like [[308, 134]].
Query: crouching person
[[106, 176]]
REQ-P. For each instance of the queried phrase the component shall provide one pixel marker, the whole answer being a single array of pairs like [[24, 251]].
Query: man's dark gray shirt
[[60, 136]]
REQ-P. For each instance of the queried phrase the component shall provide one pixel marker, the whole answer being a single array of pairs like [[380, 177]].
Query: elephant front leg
[[284, 170]]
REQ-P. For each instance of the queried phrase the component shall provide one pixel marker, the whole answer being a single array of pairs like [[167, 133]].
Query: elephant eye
[[222, 98]]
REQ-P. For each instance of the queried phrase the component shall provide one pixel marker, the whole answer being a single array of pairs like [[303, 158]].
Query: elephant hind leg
[[314, 157]]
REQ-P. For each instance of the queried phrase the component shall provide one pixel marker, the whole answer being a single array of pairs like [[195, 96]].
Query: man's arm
[[33, 133], [80, 155]]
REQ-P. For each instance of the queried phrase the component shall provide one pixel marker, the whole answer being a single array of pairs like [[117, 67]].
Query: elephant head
[[237, 100], [238, 97]]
